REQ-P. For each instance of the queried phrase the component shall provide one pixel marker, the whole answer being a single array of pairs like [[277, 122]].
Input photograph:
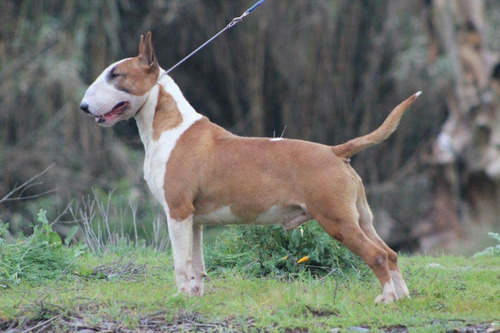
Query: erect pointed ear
[[147, 55]]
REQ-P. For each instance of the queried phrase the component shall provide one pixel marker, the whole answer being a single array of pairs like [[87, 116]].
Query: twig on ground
[[43, 324], [322, 280]]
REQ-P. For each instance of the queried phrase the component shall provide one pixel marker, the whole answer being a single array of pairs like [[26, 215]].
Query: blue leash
[[231, 24]]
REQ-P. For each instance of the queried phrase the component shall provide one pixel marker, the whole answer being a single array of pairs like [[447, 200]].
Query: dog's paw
[[192, 287], [190, 282], [192, 290], [399, 285], [196, 287], [385, 298], [388, 294], [402, 292]]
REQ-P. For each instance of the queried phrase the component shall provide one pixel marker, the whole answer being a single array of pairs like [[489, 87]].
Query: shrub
[[264, 250], [35, 258]]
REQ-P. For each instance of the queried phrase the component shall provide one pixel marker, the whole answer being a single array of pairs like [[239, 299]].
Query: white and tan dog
[[205, 175]]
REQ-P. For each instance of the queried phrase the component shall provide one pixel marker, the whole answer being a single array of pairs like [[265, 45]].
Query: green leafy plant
[[492, 250], [38, 257], [263, 251]]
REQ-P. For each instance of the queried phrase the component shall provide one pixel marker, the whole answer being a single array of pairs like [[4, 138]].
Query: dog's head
[[122, 88]]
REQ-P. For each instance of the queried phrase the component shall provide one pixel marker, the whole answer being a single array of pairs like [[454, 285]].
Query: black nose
[[85, 107]]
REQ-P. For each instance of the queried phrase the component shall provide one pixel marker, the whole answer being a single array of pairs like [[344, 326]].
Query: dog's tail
[[390, 124]]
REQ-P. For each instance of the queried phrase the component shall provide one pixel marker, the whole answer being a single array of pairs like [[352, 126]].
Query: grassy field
[[134, 290]]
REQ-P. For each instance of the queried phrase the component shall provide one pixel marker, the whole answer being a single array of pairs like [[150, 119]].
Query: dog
[[204, 175]]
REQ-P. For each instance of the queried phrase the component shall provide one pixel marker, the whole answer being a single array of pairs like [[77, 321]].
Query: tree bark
[[465, 158]]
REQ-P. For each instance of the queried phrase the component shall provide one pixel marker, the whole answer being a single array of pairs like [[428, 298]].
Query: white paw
[[196, 287], [192, 289], [402, 292], [190, 284], [388, 295], [399, 285], [387, 299]]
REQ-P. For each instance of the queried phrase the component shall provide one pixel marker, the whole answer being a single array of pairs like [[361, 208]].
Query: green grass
[[136, 288]]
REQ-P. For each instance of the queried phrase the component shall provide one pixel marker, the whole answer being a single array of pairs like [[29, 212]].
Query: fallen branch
[[27, 184]]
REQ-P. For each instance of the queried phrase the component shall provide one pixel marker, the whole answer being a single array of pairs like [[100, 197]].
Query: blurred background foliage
[[326, 70]]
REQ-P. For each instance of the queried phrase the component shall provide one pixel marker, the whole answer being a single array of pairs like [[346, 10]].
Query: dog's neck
[[145, 115]]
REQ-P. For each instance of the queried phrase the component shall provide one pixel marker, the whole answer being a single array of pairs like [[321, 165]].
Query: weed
[[110, 222], [35, 258], [262, 251]]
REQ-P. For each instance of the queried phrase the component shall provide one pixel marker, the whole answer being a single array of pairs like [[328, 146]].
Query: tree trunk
[[466, 156]]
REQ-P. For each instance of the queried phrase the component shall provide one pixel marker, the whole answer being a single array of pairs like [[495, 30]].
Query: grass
[[135, 289], [46, 285]]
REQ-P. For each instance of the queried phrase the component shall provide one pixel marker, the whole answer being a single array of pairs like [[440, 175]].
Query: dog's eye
[[113, 74]]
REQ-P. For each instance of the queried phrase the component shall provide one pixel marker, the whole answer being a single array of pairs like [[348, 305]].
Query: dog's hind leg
[[366, 224], [347, 231]]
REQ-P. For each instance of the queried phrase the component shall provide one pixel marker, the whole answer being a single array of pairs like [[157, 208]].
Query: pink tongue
[[115, 111], [112, 113]]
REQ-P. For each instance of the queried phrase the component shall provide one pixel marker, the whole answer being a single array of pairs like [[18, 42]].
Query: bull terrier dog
[[204, 175]]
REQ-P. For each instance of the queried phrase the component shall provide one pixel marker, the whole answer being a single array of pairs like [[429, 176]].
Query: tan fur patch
[[135, 78], [210, 168], [167, 115]]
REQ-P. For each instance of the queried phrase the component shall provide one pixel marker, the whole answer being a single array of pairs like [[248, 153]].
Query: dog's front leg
[[198, 260], [181, 238]]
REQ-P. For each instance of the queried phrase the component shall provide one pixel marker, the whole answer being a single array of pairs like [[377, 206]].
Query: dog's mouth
[[118, 109]]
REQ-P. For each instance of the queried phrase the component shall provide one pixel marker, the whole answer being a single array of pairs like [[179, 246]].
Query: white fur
[[181, 237], [399, 285], [388, 294], [102, 97], [158, 152]]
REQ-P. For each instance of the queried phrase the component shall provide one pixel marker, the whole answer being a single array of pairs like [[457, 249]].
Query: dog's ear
[[147, 55], [141, 45]]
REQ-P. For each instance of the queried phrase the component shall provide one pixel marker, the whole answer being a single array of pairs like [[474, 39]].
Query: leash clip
[[237, 20]]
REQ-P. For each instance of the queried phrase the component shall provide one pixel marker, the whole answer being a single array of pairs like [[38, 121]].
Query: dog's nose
[[84, 107]]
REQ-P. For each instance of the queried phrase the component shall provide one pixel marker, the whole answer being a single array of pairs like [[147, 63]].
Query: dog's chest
[[157, 156], [155, 162]]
